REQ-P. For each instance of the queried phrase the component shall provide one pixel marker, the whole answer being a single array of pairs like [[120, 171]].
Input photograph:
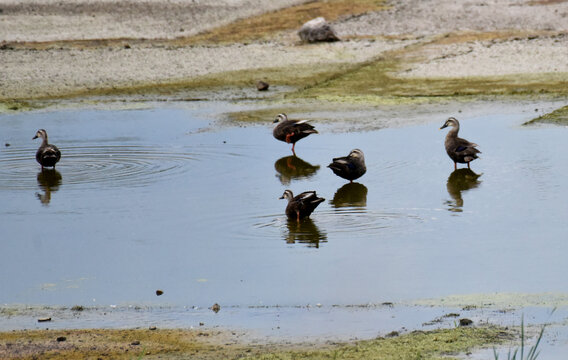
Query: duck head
[[280, 117], [356, 153], [41, 133], [288, 195], [452, 121]]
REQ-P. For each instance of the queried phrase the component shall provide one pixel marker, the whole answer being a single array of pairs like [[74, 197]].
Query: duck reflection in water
[[350, 194], [460, 180], [292, 167], [48, 181], [304, 232]]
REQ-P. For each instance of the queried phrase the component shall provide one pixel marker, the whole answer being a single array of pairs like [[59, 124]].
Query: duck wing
[[296, 129], [464, 146]]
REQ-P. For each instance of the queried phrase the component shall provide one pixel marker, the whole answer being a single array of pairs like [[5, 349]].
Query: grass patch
[[438, 344], [557, 117], [183, 344], [266, 25], [376, 81]]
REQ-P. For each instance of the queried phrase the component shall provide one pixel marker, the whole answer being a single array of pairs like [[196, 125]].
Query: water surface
[[163, 198]]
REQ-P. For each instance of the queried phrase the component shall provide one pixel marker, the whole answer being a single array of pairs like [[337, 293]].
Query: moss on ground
[[183, 344], [557, 117]]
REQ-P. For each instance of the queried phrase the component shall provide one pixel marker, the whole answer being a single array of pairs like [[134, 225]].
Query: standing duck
[[301, 206], [458, 149], [349, 167], [291, 131], [47, 155]]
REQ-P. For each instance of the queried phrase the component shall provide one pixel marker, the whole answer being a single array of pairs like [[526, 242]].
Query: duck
[[349, 167], [47, 155], [291, 131], [458, 149], [302, 205]]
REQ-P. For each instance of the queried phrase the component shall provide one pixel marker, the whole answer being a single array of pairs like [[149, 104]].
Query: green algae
[[207, 344], [437, 344], [557, 117]]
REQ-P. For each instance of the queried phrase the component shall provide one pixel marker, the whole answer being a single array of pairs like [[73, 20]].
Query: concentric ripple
[[96, 165]]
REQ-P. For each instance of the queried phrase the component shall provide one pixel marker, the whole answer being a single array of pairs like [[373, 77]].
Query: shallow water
[[162, 198]]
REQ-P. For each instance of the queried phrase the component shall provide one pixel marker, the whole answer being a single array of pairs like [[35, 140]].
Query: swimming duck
[[458, 149], [47, 155], [301, 206], [291, 131], [349, 167]]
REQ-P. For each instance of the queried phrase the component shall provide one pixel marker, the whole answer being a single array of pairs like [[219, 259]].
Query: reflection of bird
[[302, 205], [461, 180], [49, 181], [350, 194], [47, 155], [305, 232], [291, 131], [292, 167], [458, 149], [349, 167]]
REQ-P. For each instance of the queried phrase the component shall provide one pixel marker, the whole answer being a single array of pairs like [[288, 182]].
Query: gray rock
[[317, 30]]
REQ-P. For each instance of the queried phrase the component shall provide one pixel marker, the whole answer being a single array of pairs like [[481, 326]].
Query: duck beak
[[35, 137], [281, 197], [443, 126]]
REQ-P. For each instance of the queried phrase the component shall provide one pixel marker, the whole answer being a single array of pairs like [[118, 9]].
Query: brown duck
[[291, 131], [349, 167], [47, 155], [301, 206], [458, 149]]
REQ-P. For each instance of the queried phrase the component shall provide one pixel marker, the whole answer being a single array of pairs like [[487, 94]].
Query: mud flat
[[85, 47]]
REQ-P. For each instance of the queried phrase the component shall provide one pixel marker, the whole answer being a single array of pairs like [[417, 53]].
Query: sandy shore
[[533, 40]]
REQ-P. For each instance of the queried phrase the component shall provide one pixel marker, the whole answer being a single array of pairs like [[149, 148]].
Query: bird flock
[[350, 167]]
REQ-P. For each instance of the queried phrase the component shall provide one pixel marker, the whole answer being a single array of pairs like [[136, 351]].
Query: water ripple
[[108, 165]]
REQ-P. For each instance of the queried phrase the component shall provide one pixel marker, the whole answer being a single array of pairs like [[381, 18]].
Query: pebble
[[61, 338], [159, 292], [135, 342], [45, 319], [216, 307]]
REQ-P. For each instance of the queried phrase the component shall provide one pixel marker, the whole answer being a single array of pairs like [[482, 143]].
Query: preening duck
[[458, 149], [301, 206], [47, 155], [349, 167], [290, 131]]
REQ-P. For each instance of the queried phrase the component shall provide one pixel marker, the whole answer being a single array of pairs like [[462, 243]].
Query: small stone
[[7, 144], [77, 308], [159, 292], [201, 324], [153, 328], [262, 85], [465, 322], [44, 319], [215, 308], [61, 338], [135, 342]]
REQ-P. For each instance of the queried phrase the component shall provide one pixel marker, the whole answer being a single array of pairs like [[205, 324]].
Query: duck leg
[[468, 165], [298, 215], [293, 152], [456, 165]]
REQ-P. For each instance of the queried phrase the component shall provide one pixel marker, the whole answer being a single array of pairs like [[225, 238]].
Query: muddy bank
[[212, 344], [47, 53]]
